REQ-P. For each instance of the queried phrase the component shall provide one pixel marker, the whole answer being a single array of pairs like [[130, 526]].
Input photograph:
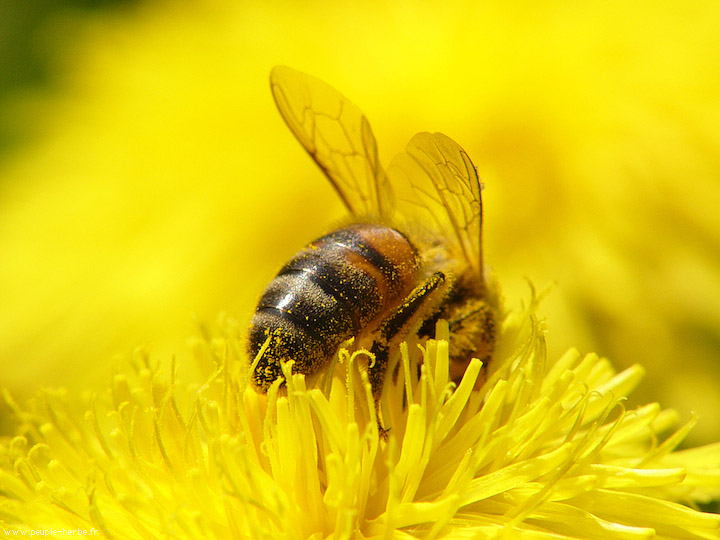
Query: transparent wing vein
[[337, 136], [435, 180]]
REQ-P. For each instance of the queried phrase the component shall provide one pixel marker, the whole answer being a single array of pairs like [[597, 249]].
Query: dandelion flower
[[596, 129], [542, 450]]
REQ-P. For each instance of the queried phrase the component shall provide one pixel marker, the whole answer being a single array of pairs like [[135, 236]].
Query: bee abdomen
[[327, 293], [301, 300], [303, 322]]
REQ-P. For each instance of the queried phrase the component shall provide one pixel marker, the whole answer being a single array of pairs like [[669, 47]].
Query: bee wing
[[338, 137], [436, 182]]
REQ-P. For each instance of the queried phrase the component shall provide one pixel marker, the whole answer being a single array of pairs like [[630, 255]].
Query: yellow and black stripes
[[331, 290]]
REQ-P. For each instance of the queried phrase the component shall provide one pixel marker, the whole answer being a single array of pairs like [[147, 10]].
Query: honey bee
[[412, 253]]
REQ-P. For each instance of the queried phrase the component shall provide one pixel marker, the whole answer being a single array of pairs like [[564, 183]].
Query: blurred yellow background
[[146, 180]]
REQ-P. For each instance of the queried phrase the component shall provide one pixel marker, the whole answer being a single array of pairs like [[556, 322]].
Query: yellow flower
[[605, 113], [544, 450], [138, 196]]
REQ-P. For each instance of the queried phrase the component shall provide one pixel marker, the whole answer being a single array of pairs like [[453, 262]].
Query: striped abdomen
[[330, 291]]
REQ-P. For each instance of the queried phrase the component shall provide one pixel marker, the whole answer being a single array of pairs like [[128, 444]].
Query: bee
[[411, 254]]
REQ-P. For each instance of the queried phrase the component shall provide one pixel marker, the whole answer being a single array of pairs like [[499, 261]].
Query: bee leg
[[472, 335], [376, 374], [418, 305]]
